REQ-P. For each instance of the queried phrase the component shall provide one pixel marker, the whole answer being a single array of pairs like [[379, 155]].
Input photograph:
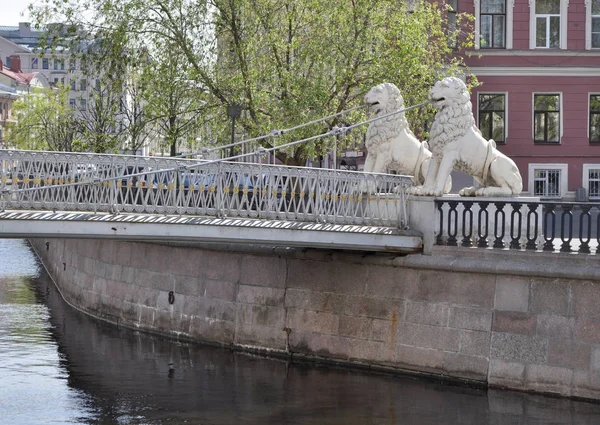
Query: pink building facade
[[538, 62]]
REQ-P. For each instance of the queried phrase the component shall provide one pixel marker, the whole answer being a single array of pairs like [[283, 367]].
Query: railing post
[[440, 238], [499, 218], [584, 244], [566, 242], [452, 212], [467, 240], [532, 241], [482, 241], [516, 212], [549, 213]]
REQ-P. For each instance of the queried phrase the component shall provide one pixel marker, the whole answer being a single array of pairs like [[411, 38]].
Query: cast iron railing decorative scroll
[[568, 227], [62, 181]]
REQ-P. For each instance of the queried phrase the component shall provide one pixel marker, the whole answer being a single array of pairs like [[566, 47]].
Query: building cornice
[[535, 71]]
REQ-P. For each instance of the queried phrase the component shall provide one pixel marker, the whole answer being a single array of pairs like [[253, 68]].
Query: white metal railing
[[35, 180]]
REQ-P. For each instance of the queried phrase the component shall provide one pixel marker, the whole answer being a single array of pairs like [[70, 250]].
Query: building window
[[492, 24], [83, 104], [594, 130], [592, 24], [73, 82], [546, 118], [495, 24], [45, 63], [548, 29], [72, 103], [34, 63], [492, 119], [595, 24], [55, 64], [83, 85], [548, 181], [547, 23], [72, 64], [591, 180]]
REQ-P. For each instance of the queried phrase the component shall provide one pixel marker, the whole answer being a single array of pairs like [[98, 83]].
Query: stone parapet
[[519, 320]]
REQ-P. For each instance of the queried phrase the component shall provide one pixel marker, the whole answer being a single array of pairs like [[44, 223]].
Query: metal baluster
[[467, 238], [482, 241], [584, 245], [532, 241], [452, 212], [499, 237], [566, 242], [549, 212], [598, 234], [516, 212], [440, 239]]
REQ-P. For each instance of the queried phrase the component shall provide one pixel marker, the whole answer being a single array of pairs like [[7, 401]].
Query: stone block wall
[[508, 320]]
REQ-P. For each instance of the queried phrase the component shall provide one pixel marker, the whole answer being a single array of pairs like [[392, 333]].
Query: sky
[[10, 12]]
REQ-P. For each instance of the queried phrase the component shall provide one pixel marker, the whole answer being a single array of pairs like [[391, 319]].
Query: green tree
[[44, 121], [286, 62]]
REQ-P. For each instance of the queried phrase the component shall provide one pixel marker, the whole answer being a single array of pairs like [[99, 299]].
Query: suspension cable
[[333, 132], [273, 133]]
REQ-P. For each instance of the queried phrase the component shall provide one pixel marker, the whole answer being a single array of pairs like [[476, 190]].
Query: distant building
[[23, 41], [539, 65], [13, 84]]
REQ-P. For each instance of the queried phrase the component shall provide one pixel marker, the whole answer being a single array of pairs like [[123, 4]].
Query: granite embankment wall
[[526, 321]]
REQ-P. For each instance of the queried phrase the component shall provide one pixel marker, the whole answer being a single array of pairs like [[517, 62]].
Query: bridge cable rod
[[273, 133], [333, 132]]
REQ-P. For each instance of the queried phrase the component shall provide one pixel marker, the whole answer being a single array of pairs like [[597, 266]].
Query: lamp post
[[233, 111]]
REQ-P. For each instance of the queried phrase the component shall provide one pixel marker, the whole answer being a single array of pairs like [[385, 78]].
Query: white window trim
[[590, 94], [510, 5], [588, 25], [564, 9], [564, 176], [505, 110], [560, 99], [585, 182]]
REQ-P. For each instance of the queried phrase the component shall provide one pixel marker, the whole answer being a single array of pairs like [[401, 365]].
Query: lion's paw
[[468, 191], [415, 190]]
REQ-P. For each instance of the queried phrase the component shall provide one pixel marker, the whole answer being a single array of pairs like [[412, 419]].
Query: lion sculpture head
[[454, 117], [381, 100]]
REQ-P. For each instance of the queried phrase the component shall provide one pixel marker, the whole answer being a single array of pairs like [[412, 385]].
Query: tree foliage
[[286, 62], [44, 121]]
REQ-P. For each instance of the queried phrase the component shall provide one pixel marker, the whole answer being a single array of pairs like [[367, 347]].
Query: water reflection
[[79, 370]]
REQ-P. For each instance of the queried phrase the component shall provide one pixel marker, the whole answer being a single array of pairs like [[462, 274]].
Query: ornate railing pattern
[[158, 185], [548, 226]]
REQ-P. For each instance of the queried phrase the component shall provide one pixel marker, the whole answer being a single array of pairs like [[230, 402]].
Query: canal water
[[58, 366]]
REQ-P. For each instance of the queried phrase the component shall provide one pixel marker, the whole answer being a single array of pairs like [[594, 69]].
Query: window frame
[[45, 63], [34, 63], [585, 180], [560, 118], [505, 111], [564, 178], [589, 127], [564, 10], [589, 16], [508, 26]]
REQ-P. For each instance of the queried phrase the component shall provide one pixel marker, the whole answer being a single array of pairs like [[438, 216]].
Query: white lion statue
[[391, 145], [457, 144]]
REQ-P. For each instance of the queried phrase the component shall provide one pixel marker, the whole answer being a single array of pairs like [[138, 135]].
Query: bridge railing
[[157, 185], [518, 224]]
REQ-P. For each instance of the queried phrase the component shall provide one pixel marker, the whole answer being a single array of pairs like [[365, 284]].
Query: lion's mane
[[453, 120], [387, 128]]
